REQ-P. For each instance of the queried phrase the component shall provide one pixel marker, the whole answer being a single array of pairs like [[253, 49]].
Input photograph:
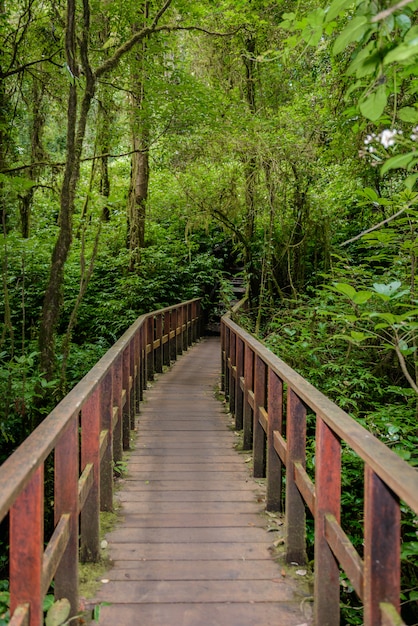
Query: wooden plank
[[192, 534], [54, 551], [213, 614]]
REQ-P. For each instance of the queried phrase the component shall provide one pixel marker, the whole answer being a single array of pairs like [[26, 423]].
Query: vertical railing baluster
[[90, 455], [239, 396], [173, 334], [166, 333], [223, 356], [26, 548], [227, 340], [126, 409], [143, 358], [66, 470], [150, 347], [159, 337], [295, 508], [137, 370], [106, 471], [232, 371], [132, 397], [381, 548], [327, 501], [179, 325], [275, 423], [185, 342], [260, 400], [248, 387], [117, 404]]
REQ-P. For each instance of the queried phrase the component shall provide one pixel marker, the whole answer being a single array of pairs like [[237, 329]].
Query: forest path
[[192, 546]]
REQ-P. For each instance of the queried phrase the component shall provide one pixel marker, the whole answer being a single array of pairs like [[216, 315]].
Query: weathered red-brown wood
[[296, 451], [275, 423], [126, 407], [89, 517], [239, 396], [260, 401], [232, 372], [248, 411], [381, 548], [26, 548], [117, 404], [193, 547], [327, 501], [106, 471], [66, 467]]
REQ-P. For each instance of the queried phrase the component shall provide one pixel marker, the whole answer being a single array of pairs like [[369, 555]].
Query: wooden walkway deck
[[192, 547]]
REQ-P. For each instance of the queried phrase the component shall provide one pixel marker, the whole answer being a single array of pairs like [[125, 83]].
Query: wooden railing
[[87, 433], [270, 402]]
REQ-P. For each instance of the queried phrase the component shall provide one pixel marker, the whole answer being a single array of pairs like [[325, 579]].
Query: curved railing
[[270, 402], [87, 433]]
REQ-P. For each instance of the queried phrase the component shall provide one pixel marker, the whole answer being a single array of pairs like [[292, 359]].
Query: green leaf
[[408, 114], [373, 106], [361, 297], [365, 61], [58, 613], [337, 7], [387, 290], [400, 160], [345, 289], [358, 336], [357, 27], [403, 52], [388, 317], [403, 22]]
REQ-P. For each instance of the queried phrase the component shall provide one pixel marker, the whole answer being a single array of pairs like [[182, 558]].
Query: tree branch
[[384, 14], [375, 227]]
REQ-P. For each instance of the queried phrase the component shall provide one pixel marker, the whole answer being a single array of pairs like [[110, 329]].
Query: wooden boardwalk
[[192, 547]]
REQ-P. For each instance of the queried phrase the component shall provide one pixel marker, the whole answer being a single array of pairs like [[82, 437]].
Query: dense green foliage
[[148, 150]]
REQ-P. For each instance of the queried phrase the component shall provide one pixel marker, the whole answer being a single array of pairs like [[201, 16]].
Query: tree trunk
[[138, 190]]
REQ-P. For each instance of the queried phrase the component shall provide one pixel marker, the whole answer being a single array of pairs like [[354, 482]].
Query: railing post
[[106, 471], [142, 360], [227, 340], [295, 508], [26, 548], [150, 343], [381, 548], [259, 436], [327, 501], [223, 355], [195, 321], [248, 389], [132, 386], [275, 423], [126, 408], [159, 337], [66, 502], [90, 454], [232, 371], [179, 326], [173, 334], [239, 395], [137, 370], [117, 404], [166, 345], [189, 323], [184, 330]]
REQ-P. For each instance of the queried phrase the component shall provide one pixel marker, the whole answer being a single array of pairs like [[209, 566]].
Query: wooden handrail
[[260, 388], [97, 416]]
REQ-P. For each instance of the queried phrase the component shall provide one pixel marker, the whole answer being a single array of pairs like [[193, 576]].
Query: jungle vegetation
[[149, 150]]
